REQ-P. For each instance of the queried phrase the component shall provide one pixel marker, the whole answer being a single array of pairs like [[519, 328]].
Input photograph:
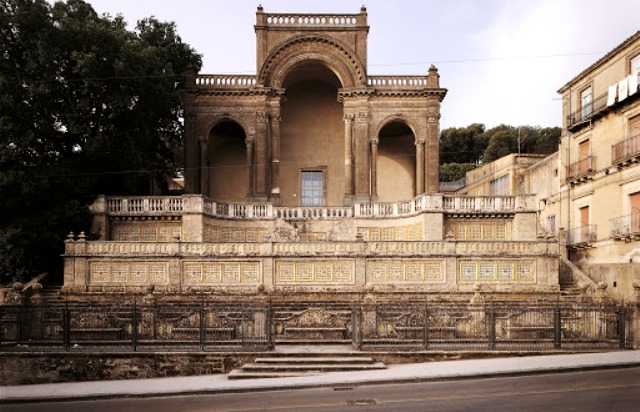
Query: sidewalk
[[417, 372]]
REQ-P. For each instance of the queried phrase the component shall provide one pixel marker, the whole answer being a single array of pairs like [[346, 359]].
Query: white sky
[[502, 60]]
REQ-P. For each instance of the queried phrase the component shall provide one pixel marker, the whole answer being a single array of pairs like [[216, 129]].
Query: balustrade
[[225, 81], [144, 205], [398, 82], [328, 20], [175, 205]]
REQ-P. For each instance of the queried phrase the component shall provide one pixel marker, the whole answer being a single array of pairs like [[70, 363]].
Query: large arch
[[338, 57], [311, 137], [396, 161], [225, 173]]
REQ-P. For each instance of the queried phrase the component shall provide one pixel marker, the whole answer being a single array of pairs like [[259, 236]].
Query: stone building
[[601, 148], [312, 128], [313, 180]]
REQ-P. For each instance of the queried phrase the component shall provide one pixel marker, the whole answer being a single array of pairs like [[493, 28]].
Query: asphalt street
[[598, 390]]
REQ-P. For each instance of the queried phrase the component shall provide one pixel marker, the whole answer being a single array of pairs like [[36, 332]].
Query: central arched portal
[[311, 138]]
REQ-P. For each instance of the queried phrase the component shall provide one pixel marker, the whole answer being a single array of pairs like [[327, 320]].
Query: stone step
[[315, 360], [240, 374], [288, 364], [316, 367]]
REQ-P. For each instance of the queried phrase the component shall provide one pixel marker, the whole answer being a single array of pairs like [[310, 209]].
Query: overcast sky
[[502, 60]]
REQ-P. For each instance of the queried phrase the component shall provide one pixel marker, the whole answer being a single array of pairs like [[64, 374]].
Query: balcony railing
[[581, 169], [582, 236], [626, 149], [587, 111], [144, 205], [625, 227], [176, 205], [398, 82], [225, 81]]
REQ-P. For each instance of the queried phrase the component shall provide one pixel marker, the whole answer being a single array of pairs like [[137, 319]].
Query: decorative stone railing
[[311, 213], [312, 20], [398, 82], [225, 81], [327, 249], [425, 203], [154, 205]]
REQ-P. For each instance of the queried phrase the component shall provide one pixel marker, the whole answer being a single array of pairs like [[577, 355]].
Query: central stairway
[[308, 361]]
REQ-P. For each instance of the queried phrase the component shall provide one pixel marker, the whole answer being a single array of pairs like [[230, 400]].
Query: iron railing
[[626, 149], [494, 327], [134, 327], [587, 111], [625, 226], [582, 235], [208, 327], [581, 168]]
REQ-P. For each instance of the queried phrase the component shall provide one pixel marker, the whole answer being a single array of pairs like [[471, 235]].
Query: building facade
[[312, 128], [601, 182], [314, 181]]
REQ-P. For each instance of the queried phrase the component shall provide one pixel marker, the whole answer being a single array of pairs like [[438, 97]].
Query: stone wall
[[41, 367]]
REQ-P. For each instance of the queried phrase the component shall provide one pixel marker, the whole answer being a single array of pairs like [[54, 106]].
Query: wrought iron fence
[[134, 327], [202, 327], [493, 327]]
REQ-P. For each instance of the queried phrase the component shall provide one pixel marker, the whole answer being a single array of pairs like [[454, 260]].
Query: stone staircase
[[289, 364]]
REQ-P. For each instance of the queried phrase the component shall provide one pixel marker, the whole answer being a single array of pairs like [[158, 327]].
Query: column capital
[[348, 118], [275, 118], [420, 142], [261, 117], [363, 117], [202, 139], [374, 141]]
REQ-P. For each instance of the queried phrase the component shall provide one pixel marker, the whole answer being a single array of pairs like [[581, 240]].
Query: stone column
[[432, 167], [250, 191], [362, 171], [348, 158], [374, 167], [204, 167], [420, 172], [260, 143], [275, 157]]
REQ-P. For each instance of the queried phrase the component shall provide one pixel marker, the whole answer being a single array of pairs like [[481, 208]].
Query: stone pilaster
[[204, 167], [362, 163], [374, 167], [348, 158], [250, 168], [260, 147], [420, 161], [275, 157], [431, 158]]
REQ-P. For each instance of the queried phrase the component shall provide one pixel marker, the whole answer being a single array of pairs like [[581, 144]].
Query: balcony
[[626, 152], [625, 228], [582, 237], [587, 112], [582, 170]]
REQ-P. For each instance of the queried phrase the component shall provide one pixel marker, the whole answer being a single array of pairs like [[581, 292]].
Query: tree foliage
[[460, 147], [87, 107]]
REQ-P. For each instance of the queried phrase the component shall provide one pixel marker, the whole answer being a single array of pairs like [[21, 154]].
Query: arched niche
[[226, 162], [396, 162]]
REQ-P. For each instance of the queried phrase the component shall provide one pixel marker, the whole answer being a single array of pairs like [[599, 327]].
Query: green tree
[[462, 145], [87, 107], [451, 172]]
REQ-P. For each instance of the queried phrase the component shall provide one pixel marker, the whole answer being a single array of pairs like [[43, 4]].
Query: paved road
[[604, 390]]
